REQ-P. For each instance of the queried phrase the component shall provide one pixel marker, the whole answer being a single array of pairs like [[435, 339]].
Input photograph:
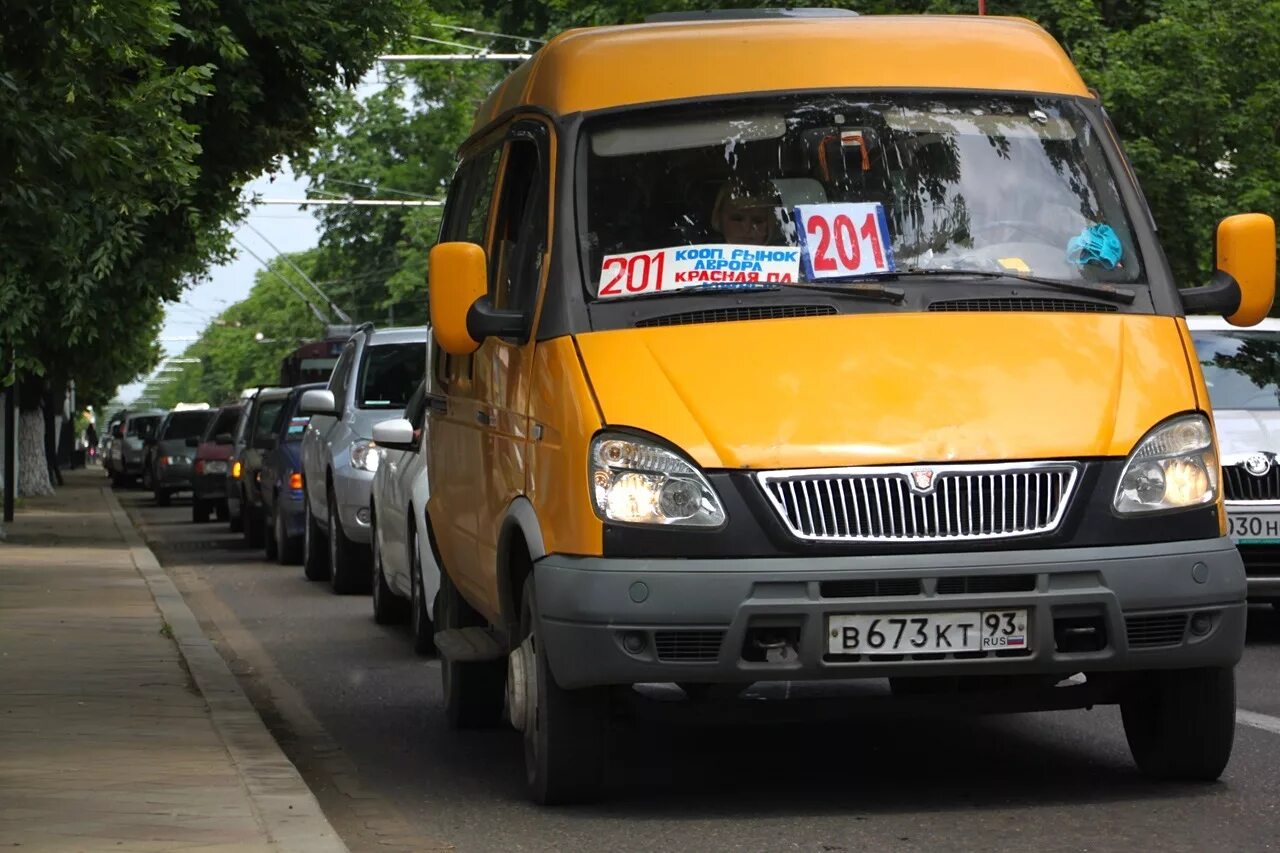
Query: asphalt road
[[361, 716]]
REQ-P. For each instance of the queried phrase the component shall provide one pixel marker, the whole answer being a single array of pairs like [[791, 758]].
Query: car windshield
[[186, 425], [143, 426], [224, 423], [389, 373], [1242, 369], [838, 188]]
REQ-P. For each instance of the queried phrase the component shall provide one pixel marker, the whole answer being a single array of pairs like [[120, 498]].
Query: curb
[[285, 806]]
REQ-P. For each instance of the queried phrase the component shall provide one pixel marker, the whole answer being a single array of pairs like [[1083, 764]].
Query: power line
[[450, 43], [473, 31], [314, 310], [454, 57], [373, 187], [354, 202], [342, 315]]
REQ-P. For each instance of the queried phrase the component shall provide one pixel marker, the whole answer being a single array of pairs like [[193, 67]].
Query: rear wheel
[[566, 732], [251, 519], [162, 497], [315, 553], [473, 690], [348, 563], [220, 510], [199, 511], [270, 541], [1180, 724], [288, 548]]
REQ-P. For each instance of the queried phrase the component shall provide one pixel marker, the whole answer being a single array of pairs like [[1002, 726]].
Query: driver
[[746, 213]]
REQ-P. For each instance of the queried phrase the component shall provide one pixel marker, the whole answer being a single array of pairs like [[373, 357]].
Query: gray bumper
[[352, 489], [697, 616]]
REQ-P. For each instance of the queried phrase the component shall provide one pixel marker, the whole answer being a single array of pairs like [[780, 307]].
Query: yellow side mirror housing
[[1246, 250], [458, 278]]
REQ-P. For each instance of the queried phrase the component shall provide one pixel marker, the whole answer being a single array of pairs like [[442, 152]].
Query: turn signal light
[[295, 481], [235, 470]]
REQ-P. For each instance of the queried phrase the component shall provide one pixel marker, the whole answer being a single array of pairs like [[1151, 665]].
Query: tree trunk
[[33, 467]]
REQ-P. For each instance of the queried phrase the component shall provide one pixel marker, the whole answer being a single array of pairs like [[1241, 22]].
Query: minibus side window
[[468, 221], [520, 233]]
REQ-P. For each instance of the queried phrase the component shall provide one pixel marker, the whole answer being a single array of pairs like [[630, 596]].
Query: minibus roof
[[600, 68]]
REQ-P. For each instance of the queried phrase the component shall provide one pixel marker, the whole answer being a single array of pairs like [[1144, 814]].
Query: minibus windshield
[[828, 189]]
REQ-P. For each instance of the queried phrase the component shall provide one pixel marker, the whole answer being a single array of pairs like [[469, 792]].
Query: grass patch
[[166, 630]]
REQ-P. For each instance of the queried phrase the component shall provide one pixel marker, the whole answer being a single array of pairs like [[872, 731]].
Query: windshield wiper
[[1101, 291], [860, 290], [696, 290]]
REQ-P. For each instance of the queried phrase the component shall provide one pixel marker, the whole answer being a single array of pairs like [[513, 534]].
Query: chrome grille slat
[[1239, 485], [984, 501]]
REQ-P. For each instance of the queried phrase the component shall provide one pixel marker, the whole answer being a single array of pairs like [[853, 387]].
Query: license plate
[[1254, 528], [921, 633], [215, 467]]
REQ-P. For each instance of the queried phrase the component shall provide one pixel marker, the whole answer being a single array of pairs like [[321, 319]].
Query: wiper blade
[[1084, 288], [695, 290], [860, 289]]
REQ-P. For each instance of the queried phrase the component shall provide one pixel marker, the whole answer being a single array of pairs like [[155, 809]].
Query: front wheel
[[566, 732], [1180, 724], [388, 608]]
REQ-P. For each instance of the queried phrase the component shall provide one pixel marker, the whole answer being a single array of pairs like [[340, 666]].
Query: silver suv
[[374, 376]]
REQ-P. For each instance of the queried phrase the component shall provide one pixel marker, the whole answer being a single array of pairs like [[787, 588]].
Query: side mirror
[[461, 316], [318, 402], [224, 438], [1244, 283], [192, 441], [395, 434]]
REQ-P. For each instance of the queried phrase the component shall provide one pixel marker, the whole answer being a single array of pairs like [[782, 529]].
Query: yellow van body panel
[[883, 389], [596, 68], [564, 418]]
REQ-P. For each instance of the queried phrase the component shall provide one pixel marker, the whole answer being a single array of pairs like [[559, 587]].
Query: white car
[[1242, 369], [401, 590]]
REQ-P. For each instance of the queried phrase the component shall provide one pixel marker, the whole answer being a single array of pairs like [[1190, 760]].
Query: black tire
[[474, 691], [199, 511], [1180, 724], [421, 626], [235, 522], [220, 510], [288, 548], [315, 552], [566, 732], [251, 520], [270, 540], [162, 497], [117, 480], [349, 569], [388, 608]]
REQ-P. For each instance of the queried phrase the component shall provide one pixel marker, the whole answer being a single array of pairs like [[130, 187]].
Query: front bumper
[[699, 618], [352, 489]]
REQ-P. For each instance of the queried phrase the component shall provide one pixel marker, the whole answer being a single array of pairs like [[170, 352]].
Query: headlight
[[638, 481], [1175, 466], [365, 456]]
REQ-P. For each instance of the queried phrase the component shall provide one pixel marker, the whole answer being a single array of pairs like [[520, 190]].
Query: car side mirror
[[1244, 283], [318, 401], [394, 434], [193, 441], [224, 438], [461, 314]]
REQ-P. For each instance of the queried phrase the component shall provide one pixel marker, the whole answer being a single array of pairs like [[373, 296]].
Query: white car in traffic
[[1242, 369]]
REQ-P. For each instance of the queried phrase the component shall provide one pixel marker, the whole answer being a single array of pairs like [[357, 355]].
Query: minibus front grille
[[922, 503], [1240, 485], [1053, 306], [728, 315]]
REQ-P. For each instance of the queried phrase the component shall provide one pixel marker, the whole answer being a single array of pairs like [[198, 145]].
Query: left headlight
[[1173, 467], [365, 456], [638, 481]]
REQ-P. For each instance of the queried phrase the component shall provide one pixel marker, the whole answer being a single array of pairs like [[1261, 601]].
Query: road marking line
[[1259, 721]]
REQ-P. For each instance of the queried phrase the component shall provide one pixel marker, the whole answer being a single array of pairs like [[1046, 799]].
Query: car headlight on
[[636, 480], [365, 456], [1174, 466]]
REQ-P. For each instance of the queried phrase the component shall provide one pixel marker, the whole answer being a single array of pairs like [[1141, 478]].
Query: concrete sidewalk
[[120, 726]]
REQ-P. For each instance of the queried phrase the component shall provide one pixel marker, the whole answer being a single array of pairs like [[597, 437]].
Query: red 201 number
[[848, 242], [636, 274]]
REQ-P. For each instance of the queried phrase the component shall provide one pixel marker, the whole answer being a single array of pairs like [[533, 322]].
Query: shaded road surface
[[361, 717]]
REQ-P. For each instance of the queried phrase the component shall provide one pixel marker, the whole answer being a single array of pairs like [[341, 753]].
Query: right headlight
[[1174, 466], [636, 480]]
